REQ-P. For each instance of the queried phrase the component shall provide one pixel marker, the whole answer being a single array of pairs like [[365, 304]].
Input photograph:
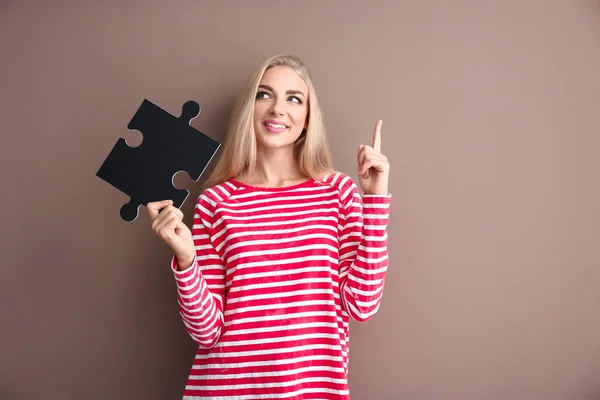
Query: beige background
[[492, 126]]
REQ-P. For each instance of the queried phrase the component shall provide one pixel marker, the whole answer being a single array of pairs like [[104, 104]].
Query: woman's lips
[[275, 129]]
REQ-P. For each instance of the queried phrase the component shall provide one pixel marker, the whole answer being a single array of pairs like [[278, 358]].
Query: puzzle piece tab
[[170, 145]]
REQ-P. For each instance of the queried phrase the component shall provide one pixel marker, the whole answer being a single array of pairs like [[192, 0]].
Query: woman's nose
[[276, 109]]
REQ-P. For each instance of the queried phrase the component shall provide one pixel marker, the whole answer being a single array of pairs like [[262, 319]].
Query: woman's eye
[[296, 99], [262, 95]]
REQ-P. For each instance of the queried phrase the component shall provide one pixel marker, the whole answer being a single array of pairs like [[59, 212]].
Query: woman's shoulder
[[345, 186], [211, 196], [339, 180]]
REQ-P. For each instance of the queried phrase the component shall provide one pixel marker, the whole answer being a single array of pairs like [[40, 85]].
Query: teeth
[[276, 125]]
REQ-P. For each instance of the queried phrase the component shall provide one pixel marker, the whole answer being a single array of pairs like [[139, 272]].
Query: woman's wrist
[[184, 261]]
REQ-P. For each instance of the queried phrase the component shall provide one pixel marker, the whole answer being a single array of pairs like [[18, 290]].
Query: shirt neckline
[[272, 189]]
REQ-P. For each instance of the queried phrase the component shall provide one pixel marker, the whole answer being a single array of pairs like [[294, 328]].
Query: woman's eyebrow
[[287, 92]]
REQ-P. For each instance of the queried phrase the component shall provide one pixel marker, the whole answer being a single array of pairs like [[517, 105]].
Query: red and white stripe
[[278, 274]]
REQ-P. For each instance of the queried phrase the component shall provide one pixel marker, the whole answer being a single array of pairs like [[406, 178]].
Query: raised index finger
[[377, 136]]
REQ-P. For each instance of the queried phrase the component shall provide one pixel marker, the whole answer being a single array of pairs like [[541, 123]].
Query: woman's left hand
[[373, 167]]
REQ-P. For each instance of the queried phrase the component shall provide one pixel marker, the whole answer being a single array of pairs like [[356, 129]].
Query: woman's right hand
[[167, 223]]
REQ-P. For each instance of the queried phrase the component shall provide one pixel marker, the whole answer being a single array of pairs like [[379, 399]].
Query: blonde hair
[[239, 146]]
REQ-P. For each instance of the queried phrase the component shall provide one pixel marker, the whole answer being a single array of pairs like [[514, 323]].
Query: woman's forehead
[[282, 78]]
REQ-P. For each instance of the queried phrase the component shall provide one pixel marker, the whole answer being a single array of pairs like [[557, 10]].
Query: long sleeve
[[363, 251], [201, 288]]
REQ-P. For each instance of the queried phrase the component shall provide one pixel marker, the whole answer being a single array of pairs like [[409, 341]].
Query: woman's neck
[[275, 169]]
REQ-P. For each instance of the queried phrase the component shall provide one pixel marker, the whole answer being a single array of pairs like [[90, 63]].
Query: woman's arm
[[201, 287], [363, 252]]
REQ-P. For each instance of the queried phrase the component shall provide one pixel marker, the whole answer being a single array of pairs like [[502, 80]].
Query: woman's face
[[280, 109]]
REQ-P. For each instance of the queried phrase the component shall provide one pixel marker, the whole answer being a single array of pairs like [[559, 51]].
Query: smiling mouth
[[276, 126]]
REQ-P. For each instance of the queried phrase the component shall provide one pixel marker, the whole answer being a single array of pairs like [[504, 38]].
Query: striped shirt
[[277, 276]]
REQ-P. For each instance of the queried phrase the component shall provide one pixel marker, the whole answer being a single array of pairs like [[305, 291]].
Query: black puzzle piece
[[170, 145]]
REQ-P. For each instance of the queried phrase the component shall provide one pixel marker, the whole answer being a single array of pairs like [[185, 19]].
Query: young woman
[[283, 250]]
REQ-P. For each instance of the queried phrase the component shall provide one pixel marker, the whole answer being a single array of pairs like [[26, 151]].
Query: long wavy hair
[[239, 146]]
